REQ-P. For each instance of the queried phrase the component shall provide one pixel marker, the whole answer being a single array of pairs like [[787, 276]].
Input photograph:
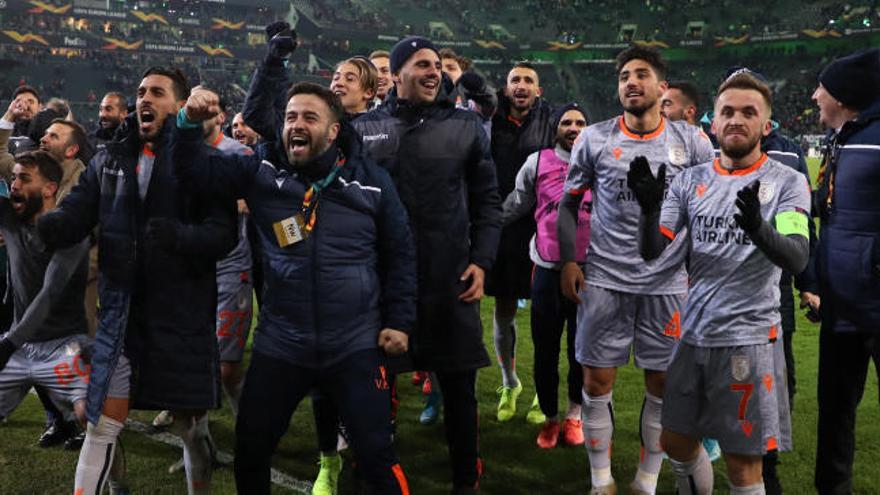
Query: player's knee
[[105, 431], [679, 447], [743, 470], [598, 381]]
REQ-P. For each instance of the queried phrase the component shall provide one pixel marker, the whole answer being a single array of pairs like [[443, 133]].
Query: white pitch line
[[278, 477]]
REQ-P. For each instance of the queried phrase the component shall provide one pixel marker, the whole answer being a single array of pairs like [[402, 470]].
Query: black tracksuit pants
[[843, 368], [551, 311], [462, 425], [274, 388]]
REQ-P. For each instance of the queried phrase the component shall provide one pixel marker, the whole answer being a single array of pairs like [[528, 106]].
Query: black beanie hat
[[560, 111], [404, 49], [854, 80]]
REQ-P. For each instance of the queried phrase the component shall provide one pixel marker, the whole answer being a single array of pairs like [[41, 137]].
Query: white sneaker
[[163, 419]]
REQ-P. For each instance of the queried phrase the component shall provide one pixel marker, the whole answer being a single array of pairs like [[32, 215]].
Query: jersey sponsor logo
[[677, 155], [375, 137], [711, 229], [739, 367], [766, 192], [617, 152], [701, 190]]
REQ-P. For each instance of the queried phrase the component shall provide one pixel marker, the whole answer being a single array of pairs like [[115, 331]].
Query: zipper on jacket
[[314, 263]]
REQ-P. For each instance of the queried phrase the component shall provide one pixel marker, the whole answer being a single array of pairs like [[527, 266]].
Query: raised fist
[[201, 105], [281, 39]]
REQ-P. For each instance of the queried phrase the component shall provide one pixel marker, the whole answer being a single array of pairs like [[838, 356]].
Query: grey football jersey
[[239, 259], [734, 293], [600, 161]]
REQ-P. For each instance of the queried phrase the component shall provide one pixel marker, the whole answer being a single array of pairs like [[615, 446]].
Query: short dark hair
[[463, 62], [689, 90], [78, 134], [24, 88], [330, 98], [48, 167], [745, 80], [178, 79], [522, 64], [649, 54], [121, 99]]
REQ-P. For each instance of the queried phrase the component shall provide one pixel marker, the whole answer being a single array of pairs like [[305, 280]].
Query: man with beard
[[745, 219], [539, 185], [25, 106], [155, 347], [111, 113], [64, 141], [42, 347], [335, 234], [381, 60], [440, 159], [520, 127], [626, 304], [243, 133], [235, 292], [681, 101]]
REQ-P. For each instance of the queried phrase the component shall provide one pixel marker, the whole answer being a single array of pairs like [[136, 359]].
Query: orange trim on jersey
[[773, 333], [642, 137], [667, 233], [740, 171], [217, 141], [772, 444], [148, 152], [515, 120], [401, 479]]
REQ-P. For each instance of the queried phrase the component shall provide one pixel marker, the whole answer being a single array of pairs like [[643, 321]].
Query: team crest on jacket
[[677, 155], [765, 192], [739, 367]]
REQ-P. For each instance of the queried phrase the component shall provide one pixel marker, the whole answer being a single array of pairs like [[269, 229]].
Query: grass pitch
[[513, 464]]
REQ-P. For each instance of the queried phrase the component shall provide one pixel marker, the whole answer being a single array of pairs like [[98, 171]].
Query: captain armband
[[792, 222]]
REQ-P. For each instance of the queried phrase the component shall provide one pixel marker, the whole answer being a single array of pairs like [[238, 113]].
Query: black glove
[[281, 39], [7, 348], [161, 233], [472, 83], [647, 190], [749, 216], [49, 228]]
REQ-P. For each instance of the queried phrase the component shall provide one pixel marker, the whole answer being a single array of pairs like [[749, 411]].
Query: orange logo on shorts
[[673, 328], [66, 373]]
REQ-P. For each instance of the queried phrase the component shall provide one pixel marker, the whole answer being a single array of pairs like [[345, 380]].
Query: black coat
[[440, 160], [512, 143], [159, 303]]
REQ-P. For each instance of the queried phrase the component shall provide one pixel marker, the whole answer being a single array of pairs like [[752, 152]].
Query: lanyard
[[313, 194]]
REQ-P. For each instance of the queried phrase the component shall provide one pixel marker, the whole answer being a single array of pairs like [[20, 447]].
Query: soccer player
[[155, 346], [43, 346], [745, 218], [539, 187], [242, 132], [520, 127], [681, 101], [626, 302]]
